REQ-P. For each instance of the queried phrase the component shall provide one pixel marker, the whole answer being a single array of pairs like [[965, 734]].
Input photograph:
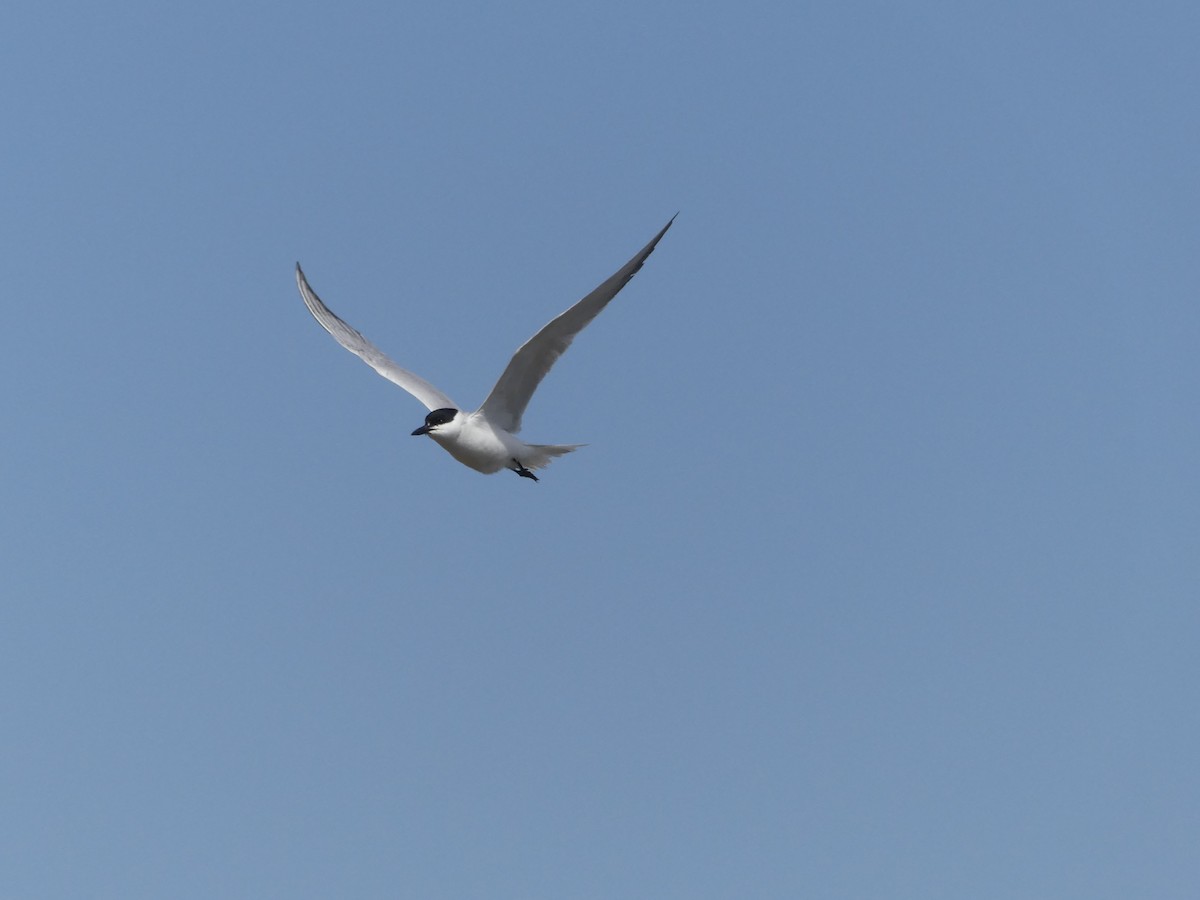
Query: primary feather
[[368, 352], [505, 405]]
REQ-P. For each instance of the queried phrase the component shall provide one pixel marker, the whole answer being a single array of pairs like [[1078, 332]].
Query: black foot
[[522, 471]]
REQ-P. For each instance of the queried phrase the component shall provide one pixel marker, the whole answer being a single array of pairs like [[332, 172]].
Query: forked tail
[[541, 455]]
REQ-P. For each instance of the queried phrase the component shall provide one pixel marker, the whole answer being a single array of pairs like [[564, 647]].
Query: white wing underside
[[505, 405], [368, 352]]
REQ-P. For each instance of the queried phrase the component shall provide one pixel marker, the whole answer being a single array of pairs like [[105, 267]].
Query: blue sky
[[878, 577]]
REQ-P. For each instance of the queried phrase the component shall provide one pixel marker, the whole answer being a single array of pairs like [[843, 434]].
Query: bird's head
[[437, 421]]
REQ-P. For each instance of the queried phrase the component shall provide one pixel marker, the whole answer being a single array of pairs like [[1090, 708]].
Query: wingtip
[[658, 237]]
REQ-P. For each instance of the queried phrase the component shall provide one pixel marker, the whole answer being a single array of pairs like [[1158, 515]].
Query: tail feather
[[542, 455]]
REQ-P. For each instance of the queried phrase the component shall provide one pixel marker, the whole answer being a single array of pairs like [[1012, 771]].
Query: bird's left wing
[[505, 405], [368, 352]]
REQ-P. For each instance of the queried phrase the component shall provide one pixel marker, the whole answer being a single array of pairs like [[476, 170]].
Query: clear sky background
[[879, 577]]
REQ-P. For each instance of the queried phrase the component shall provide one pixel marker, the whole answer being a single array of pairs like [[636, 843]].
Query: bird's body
[[486, 440], [478, 444]]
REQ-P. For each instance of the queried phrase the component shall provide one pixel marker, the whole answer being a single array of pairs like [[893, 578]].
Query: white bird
[[486, 440]]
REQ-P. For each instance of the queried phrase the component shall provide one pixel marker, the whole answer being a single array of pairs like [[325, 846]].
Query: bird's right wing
[[505, 405], [368, 352]]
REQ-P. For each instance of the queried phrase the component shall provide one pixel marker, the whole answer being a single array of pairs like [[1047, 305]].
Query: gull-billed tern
[[486, 440]]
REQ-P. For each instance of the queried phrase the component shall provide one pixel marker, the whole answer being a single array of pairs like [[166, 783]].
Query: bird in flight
[[486, 439]]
